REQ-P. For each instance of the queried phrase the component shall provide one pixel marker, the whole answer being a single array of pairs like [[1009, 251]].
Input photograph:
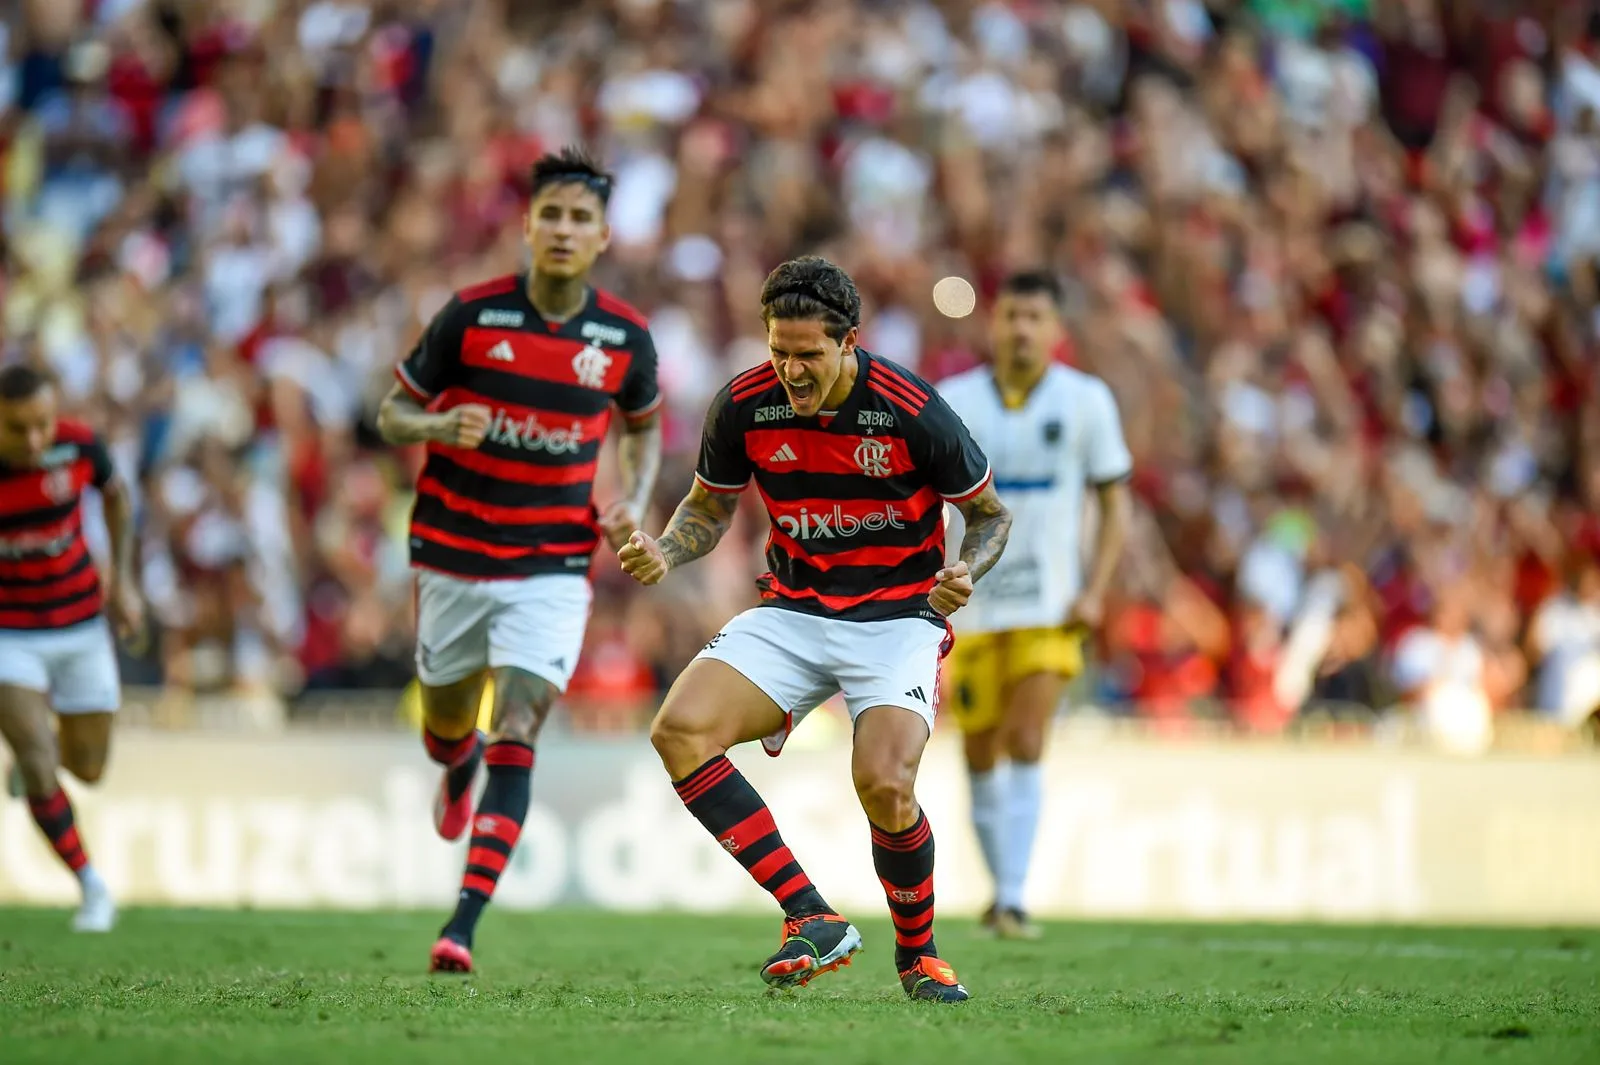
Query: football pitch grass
[[180, 987]]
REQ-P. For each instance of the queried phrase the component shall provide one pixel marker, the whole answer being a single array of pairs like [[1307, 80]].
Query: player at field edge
[[56, 650], [511, 387], [854, 458], [1050, 431]]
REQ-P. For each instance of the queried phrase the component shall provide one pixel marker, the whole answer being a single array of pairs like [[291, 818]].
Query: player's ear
[[848, 342], [605, 236]]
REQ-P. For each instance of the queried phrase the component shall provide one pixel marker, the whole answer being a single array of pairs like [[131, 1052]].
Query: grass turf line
[[181, 987]]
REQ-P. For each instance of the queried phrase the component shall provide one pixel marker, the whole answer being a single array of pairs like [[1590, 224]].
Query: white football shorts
[[75, 667], [535, 624]]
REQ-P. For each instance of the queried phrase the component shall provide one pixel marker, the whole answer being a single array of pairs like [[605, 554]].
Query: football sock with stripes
[[495, 829], [1024, 793], [986, 809], [459, 757], [723, 801], [53, 815], [904, 862]]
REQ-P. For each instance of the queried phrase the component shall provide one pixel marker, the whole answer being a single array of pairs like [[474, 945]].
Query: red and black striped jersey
[[48, 580], [856, 499], [522, 502]]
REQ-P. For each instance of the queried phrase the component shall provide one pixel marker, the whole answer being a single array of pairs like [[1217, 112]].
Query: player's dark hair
[[21, 382], [1034, 283], [811, 287], [571, 166]]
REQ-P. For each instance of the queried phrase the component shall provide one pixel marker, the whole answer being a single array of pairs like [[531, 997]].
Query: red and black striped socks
[[54, 817], [459, 757], [495, 829], [723, 801], [904, 863]]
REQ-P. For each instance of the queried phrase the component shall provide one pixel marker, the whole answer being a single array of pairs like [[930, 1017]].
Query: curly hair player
[[854, 458]]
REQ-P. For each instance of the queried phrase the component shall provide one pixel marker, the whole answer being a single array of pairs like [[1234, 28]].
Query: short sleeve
[[956, 466], [1108, 459], [640, 395], [724, 466], [432, 364], [100, 468]]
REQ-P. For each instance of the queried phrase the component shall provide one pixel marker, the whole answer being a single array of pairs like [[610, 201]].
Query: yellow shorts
[[983, 667]]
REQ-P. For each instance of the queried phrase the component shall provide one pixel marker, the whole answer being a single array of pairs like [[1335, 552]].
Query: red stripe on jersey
[[899, 380], [411, 386], [753, 387], [46, 489], [518, 472], [895, 396], [43, 568], [542, 358], [776, 589], [495, 286], [60, 618], [815, 451], [907, 511], [85, 581], [988, 476], [500, 551], [760, 371], [856, 556], [528, 420], [495, 514], [621, 308], [721, 489]]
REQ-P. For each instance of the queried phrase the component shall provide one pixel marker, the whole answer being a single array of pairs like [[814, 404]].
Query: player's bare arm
[[124, 601], [639, 462], [696, 527], [402, 420], [988, 526], [1116, 514]]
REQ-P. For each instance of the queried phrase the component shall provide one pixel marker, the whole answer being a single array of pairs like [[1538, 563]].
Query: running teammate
[[56, 651], [511, 387], [854, 458], [1049, 430]]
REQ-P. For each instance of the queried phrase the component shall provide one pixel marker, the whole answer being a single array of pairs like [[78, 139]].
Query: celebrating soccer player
[[56, 651], [511, 388], [854, 458], [1049, 430]]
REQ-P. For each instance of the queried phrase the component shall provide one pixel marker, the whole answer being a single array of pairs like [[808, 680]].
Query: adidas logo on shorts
[[784, 454]]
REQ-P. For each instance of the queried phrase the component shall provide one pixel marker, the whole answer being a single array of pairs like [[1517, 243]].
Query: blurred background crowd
[[1336, 258]]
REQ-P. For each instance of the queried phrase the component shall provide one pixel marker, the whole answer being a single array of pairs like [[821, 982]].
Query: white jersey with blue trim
[[1064, 439]]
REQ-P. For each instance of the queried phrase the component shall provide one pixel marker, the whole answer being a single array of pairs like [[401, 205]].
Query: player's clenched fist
[[952, 591], [466, 426], [642, 559]]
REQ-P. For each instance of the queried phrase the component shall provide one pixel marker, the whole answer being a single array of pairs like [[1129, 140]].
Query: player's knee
[[683, 742], [982, 751], [1025, 745], [37, 764], [888, 796]]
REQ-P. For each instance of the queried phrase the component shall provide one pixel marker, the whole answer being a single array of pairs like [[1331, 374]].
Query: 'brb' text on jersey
[[856, 500], [48, 579], [1064, 437], [522, 503]]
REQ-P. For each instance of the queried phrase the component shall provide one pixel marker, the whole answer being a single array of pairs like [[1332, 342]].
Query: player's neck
[[1018, 381], [848, 372], [557, 298]]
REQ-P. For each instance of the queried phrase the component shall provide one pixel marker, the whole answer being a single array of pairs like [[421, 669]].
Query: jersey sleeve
[[957, 467], [724, 466], [1108, 459], [640, 395], [100, 468], [433, 362]]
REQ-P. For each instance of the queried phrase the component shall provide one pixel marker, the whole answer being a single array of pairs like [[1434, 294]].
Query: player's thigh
[[85, 742], [452, 710], [889, 663], [84, 676], [715, 704], [973, 687], [537, 627], [452, 636], [25, 727]]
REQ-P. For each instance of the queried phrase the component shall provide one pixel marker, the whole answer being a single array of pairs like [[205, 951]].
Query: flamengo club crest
[[591, 365], [58, 484], [873, 458]]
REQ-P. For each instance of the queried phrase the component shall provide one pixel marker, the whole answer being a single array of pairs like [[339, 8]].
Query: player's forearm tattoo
[[118, 505], [988, 527], [402, 420], [697, 525], [639, 461]]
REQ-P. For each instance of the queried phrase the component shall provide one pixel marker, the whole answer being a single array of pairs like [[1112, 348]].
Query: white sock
[[1024, 796], [90, 881], [986, 813]]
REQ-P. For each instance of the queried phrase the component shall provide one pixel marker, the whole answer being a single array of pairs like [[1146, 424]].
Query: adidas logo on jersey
[[784, 454], [917, 694], [502, 352]]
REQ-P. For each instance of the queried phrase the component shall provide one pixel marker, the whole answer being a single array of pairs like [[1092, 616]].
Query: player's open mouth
[[801, 393]]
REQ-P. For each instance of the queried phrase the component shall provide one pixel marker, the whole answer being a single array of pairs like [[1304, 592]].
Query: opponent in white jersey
[[1050, 432]]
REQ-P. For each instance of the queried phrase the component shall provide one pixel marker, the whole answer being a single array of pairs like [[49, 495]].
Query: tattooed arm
[[988, 526], [639, 461], [699, 522]]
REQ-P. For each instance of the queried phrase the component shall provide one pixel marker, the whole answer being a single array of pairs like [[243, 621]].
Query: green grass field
[[177, 987]]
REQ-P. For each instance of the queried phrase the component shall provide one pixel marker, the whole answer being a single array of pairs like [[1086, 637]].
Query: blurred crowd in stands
[[1336, 258]]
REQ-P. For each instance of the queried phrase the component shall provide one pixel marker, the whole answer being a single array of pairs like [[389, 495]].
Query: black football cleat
[[812, 945]]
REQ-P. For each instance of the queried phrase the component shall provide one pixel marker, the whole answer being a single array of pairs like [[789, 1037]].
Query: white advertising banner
[[1179, 831]]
